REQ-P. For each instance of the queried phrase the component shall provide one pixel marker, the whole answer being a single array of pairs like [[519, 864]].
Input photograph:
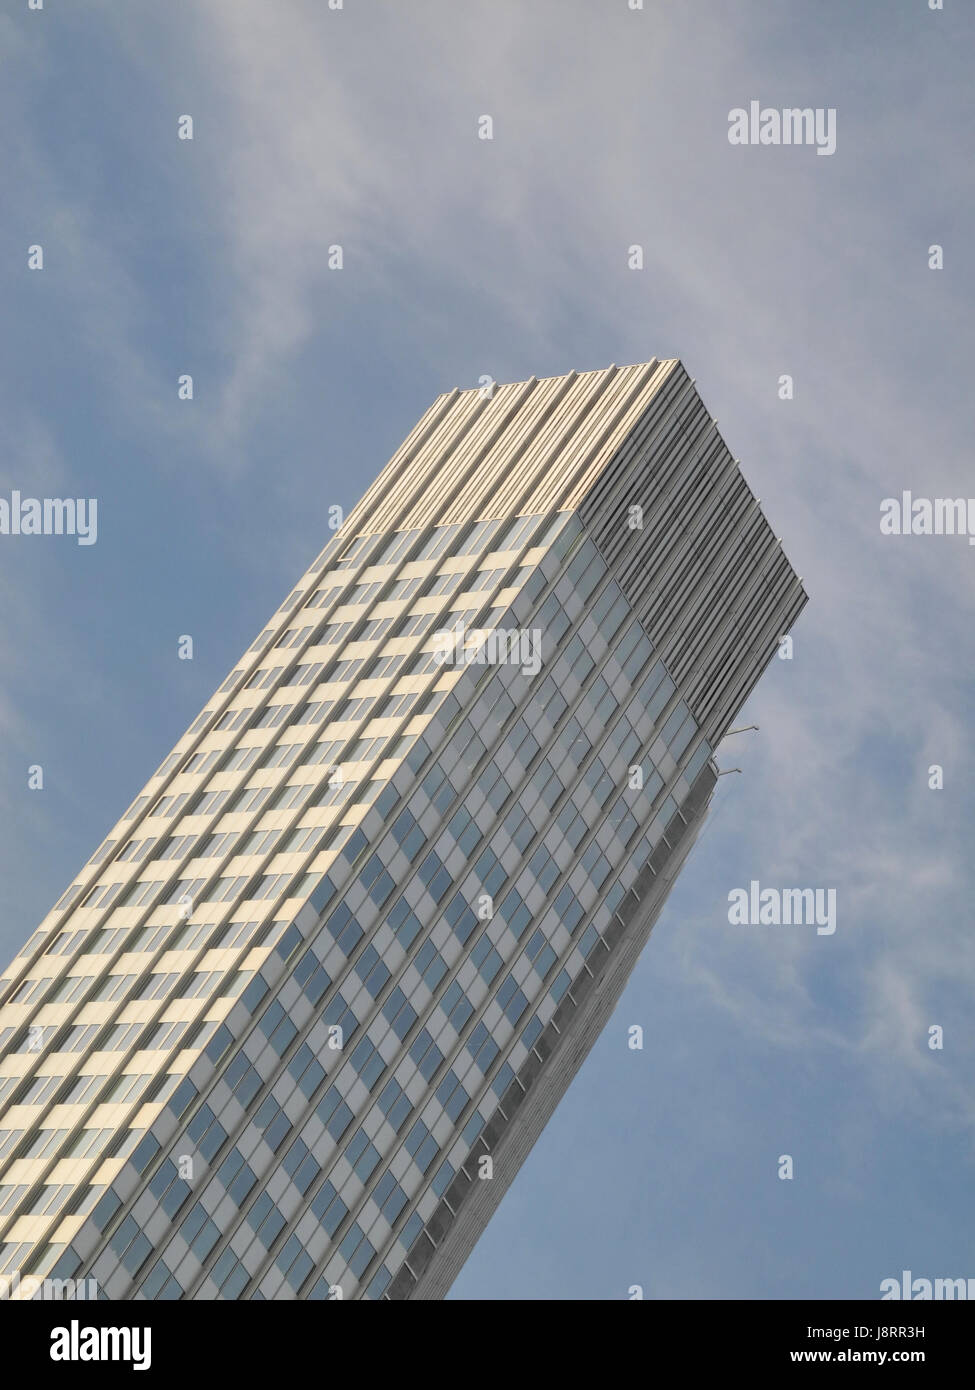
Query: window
[[463, 618], [135, 849], [396, 1106], [600, 781], [354, 709], [444, 584], [28, 988], [656, 690], [486, 959], [697, 761], [42, 1145], [250, 799], [397, 705], [215, 846], [679, 729], [10, 1196], [397, 546], [427, 1056], [270, 885], [71, 988], [404, 588], [461, 918], [102, 852], [496, 618], [201, 1036], [176, 846], [304, 838], [82, 1089], [143, 891], [305, 673], [586, 569], [119, 1037], [436, 878], [259, 842], [301, 1165], [366, 749], [609, 610], [239, 761], [421, 1145], [346, 670], [202, 762], [325, 593], [602, 700], [170, 805], [414, 623], [486, 579], [378, 1284], [517, 533], [158, 984], [313, 712], [164, 1036], [464, 831], [452, 1096], [477, 537], [374, 629], [362, 1155], [511, 999], [349, 555], [362, 593], [243, 1080], [91, 1196], [128, 1088], [202, 983], [227, 887], [184, 890], [282, 755], [114, 986], [103, 895], [435, 545], [234, 718], [64, 943], [384, 666], [633, 651], [191, 936], [169, 1190], [39, 1089], [263, 677], [78, 1037], [456, 1006], [291, 600], [150, 937], [273, 716], [230, 1173], [239, 933], [293, 637]]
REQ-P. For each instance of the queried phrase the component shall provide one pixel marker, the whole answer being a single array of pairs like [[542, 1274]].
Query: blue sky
[[464, 257]]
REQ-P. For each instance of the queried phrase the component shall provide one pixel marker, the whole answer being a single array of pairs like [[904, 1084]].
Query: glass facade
[[280, 1038]]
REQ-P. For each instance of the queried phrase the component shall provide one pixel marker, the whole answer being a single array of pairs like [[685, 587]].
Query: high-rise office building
[[296, 1024]]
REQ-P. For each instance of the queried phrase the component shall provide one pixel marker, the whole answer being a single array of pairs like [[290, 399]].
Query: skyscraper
[[296, 1024]]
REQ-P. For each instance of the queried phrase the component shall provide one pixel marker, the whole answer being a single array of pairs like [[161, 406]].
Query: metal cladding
[[704, 572]]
